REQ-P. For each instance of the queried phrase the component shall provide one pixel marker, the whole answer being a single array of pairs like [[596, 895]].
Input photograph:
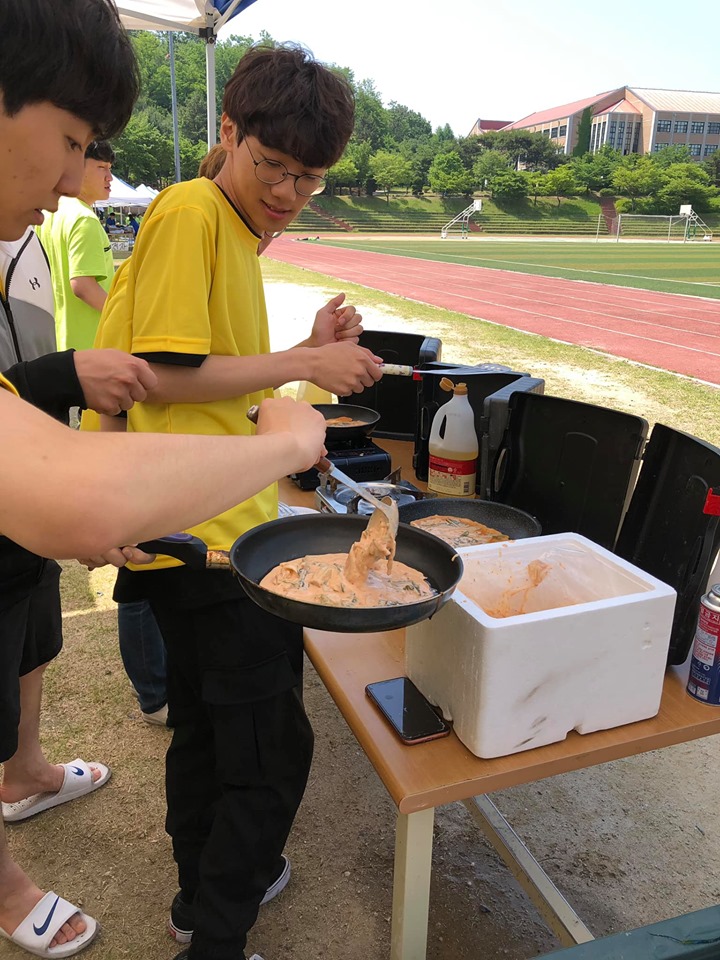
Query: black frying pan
[[258, 551], [331, 410], [514, 523]]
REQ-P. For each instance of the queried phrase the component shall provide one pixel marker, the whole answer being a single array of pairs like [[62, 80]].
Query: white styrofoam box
[[585, 650]]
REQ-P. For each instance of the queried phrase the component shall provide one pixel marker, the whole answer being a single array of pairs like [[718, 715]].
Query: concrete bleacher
[[355, 219]]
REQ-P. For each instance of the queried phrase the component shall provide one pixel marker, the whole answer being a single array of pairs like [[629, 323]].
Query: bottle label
[[452, 478]]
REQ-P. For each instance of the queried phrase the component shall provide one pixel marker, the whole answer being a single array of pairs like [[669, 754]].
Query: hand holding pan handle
[[191, 550]]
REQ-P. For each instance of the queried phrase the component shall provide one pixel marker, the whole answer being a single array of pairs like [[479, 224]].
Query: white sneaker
[[278, 885], [159, 717], [255, 956]]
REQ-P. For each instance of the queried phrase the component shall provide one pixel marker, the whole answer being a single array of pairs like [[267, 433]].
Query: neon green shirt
[[76, 246]]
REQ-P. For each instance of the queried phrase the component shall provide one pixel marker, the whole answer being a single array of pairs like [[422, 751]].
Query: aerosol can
[[453, 445]]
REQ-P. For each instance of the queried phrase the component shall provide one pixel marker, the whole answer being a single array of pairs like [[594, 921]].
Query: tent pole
[[173, 93], [210, 80]]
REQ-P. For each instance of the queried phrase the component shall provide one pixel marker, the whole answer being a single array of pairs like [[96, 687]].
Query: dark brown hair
[[100, 150], [74, 54], [292, 103]]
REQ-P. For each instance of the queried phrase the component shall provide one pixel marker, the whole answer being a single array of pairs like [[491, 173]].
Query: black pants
[[241, 747]]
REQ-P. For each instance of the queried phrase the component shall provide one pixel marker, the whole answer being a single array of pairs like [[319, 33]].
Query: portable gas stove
[[360, 459], [334, 497]]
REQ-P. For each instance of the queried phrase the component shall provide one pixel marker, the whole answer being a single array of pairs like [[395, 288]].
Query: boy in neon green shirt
[[79, 253]]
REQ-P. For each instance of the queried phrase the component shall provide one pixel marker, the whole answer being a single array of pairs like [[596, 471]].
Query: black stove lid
[[569, 464], [666, 532]]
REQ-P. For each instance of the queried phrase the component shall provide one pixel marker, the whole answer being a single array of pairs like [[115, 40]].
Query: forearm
[[89, 291], [49, 382], [220, 378], [68, 494]]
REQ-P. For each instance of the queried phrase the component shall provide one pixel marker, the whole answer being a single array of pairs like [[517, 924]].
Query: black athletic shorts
[[30, 630]]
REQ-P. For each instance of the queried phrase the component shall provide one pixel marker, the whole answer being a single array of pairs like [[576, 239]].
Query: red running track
[[666, 330]]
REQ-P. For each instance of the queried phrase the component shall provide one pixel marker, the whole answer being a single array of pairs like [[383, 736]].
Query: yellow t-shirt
[[6, 385], [193, 286]]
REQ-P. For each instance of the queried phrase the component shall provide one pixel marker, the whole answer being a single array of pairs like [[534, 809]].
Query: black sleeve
[[176, 359], [49, 383]]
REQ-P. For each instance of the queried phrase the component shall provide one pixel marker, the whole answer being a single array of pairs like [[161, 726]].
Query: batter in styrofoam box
[[541, 637], [510, 583]]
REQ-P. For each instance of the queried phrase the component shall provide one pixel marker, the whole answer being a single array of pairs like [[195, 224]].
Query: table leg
[[555, 910], [411, 885]]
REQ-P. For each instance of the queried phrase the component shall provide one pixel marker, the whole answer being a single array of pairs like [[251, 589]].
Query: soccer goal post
[[644, 226]]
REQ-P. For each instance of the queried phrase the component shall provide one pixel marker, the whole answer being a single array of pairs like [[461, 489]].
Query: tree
[[420, 155], [712, 167], [536, 186], [192, 116], [444, 134], [509, 185], [343, 174], [489, 164], [534, 151], [674, 153], [583, 138], [447, 175], [143, 154], [636, 177], [594, 171], [389, 170], [685, 183], [359, 153], [561, 182], [370, 115], [405, 124]]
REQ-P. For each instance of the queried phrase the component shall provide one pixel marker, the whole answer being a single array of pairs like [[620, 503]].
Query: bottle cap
[[460, 390]]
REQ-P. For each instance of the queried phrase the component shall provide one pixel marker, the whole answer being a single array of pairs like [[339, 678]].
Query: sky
[[458, 60]]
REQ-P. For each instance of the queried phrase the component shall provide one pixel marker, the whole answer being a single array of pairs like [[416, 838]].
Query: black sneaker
[[182, 914], [182, 922]]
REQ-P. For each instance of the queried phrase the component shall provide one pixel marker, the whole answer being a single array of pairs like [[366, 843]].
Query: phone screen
[[412, 716]]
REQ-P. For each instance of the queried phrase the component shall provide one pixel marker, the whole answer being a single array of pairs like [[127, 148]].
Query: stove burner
[[354, 503], [336, 498]]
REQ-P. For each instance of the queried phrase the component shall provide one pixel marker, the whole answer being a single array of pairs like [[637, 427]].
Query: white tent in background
[[190, 16], [148, 192], [124, 196]]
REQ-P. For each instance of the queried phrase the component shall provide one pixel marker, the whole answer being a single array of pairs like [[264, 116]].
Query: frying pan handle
[[183, 546]]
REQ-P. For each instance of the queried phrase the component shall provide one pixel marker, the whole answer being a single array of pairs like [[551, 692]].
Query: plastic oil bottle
[[453, 445]]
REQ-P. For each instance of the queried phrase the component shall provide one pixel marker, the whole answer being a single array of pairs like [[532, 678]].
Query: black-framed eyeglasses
[[272, 171]]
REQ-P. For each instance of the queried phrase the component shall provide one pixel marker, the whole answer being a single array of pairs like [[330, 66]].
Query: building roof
[[556, 113], [622, 106], [483, 126], [679, 101], [491, 124]]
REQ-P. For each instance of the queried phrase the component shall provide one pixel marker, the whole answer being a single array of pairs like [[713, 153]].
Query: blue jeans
[[143, 653]]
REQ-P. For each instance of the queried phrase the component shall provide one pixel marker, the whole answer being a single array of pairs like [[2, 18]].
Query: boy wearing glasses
[[190, 301]]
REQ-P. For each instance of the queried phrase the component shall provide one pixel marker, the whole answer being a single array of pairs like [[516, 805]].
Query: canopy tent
[[122, 195], [148, 192], [189, 16]]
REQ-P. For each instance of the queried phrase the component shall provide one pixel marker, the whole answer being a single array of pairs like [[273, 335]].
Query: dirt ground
[[628, 843]]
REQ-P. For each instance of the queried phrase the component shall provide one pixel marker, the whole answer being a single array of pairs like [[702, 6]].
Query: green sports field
[[690, 268]]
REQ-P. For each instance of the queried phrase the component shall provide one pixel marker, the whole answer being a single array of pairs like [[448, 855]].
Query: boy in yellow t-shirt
[[190, 301]]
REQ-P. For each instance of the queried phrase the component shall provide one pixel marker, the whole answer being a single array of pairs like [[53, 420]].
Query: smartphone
[[413, 718]]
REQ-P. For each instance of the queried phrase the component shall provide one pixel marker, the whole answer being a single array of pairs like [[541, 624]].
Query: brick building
[[634, 120]]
